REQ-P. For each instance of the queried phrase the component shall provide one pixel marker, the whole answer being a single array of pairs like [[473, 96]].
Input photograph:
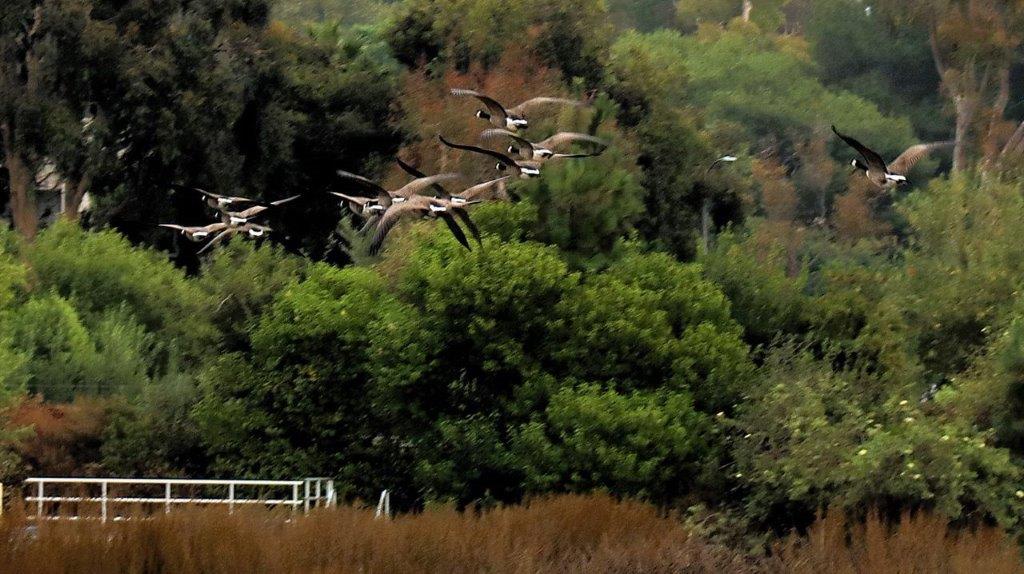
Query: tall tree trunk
[[748, 7], [705, 223], [966, 106], [74, 192], [24, 213]]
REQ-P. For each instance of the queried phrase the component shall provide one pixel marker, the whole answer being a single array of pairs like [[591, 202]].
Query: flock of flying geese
[[426, 197]]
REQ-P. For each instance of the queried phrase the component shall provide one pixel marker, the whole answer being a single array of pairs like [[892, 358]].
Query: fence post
[[318, 481], [167, 498], [103, 501], [305, 505], [231, 498], [1, 499], [295, 499], [384, 505], [39, 502]]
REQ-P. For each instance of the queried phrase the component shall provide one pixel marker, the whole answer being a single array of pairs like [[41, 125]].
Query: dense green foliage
[[747, 341]]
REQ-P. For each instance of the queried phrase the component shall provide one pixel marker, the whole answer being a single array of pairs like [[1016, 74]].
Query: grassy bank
[[565, 534]]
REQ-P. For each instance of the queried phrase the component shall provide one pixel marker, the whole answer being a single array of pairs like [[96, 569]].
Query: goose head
[[483, 115], [516, 124], [858, 165], [543, 153]]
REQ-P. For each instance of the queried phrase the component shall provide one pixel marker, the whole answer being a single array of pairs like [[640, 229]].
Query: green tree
[[643, 444]]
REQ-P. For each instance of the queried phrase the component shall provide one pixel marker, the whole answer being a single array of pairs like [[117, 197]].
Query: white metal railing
[[298, 494]]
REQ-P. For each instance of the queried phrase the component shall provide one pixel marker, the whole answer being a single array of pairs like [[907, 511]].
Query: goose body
[[250, 229], [196, 234], [216, 201], [524, 169], [883, 175], [514, 118], [456, 204], [416, 206], [243, 217], [545, 149], [404, 193]]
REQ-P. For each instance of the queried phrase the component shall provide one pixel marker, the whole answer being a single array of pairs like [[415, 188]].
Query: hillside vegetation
[[744, 343]]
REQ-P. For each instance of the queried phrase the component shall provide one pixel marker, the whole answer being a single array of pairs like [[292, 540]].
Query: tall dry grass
[[917, 543], [564, 534]]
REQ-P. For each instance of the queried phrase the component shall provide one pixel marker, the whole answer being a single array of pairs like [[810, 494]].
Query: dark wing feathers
[[456, 230], [874, 161], [498, 156], [417, 174], [377, 189], [497, 110], [463, 215]]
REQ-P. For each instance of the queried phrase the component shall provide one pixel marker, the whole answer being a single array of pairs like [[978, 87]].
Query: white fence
[[117, 494]]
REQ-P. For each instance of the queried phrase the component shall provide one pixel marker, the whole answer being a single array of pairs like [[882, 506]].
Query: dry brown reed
[[918, 543], [563, 534]]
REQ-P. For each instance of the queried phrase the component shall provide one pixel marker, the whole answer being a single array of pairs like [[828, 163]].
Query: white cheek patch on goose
[[895, 178], [438, 209]]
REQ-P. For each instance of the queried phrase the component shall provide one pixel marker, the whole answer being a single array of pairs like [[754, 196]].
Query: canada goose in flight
[[524, 169], [512, 118], [456, 203], [243, 217], [363, 206], [721, 160], [196, 234], [888, 175], [369, 208], [544, 150], [404, 193], [418, 205], [250, 229], [218, 202]]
